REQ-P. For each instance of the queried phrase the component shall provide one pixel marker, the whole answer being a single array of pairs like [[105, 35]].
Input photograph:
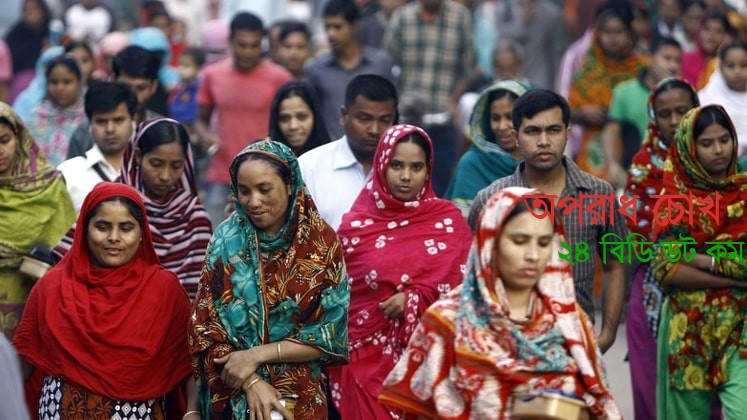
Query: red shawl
[[418, 247], [119, 332]]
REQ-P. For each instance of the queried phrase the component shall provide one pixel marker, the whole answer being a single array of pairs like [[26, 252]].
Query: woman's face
[[714, 150], [691, 19], [85, 61], [669, 108], [114, 235], [501, 124], [161, 169], [523, 251], [734, 69], [33, 14], [295, 121], [8, 150], [712, 36], [407, 172], [263, 195], [614, 37], [63, 87]]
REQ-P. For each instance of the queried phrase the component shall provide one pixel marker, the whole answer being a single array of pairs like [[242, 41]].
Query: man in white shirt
[[335, 173], [110, 108]]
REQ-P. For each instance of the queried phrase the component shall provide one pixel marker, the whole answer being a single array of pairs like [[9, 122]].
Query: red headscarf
[[120, 332]]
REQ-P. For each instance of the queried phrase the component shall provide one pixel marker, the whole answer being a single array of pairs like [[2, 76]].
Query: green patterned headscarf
[[258, 288], [486, 160]]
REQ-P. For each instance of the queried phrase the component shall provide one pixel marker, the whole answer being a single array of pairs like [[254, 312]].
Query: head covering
[[418, 248], [486, 160], [307, 93], [717, 92], [35, 91], [85, 323], [179, 224], [35, 208], [25, 42], [258, 288], [153, 39], [696, 356], [646, 174], [593, 84], [215, 34], [113, 42], [469, 332]]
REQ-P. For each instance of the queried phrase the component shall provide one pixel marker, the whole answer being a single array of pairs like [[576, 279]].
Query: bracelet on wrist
[[189, 413]]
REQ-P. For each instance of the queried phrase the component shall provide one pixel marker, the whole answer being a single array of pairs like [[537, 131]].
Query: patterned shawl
[[593, 85], [52, 128], [35, 208], [180, 224], [467, 357], [486, 160], [257, 289], [417, 247], [646, 178], [706, 327]]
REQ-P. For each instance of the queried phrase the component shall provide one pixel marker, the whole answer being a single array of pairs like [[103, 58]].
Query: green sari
[[485, 161], [36, 209], [257, 289]]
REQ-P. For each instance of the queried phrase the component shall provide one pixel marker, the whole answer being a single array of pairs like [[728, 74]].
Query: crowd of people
[[337, 214]]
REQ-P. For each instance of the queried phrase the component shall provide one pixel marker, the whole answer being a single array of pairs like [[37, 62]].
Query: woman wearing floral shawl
[[272, 303], [512, 326], [667, 104], [35, 208], [402, 252], [609, 61], [701, 344], [494, 152]]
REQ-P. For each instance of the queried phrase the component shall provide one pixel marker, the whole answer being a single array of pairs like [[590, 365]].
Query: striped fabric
[[180, 225]]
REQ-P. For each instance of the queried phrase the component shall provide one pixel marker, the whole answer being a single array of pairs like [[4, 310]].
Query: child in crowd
[[183, 103]]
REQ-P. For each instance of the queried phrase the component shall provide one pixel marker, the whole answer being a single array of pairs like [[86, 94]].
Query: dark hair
[[660, 42], [500, 94], [721, 18], [374, 88], [345, 8], [160, 133], [282, 170], [691, 3], [245, 21], [136, 62], [292, 27], [735, 44], [709, 115], [535, 101], [135, 211], [420, 141], [74, 45], [6, 121], [196, 54], [307, 93], [673, 83], [106, 97], [159, 12], [619, 9], [64, 61]]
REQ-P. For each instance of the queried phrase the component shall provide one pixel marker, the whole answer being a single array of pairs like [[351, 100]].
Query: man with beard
[[110, 108], [336, 172]]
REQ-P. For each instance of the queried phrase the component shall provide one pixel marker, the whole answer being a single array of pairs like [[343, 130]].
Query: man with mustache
[[541, 119]]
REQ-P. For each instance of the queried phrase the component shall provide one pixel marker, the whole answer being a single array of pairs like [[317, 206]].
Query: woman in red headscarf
[[108, 325]]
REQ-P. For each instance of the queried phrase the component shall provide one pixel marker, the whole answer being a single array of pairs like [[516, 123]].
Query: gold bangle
[[189, 413], [251, 384], [280, 359]]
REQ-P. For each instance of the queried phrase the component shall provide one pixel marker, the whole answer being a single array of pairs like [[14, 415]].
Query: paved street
[[618, 373]]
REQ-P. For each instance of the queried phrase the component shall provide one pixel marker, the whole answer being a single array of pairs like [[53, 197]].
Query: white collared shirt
[[334, 177], [81, 176]]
